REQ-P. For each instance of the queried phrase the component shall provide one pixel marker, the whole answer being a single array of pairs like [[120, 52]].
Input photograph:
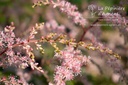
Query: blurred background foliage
[[24, 16]]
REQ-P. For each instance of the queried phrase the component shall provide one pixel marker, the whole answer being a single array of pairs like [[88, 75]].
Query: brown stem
[[30, 41], [86, 29], [3, 51]]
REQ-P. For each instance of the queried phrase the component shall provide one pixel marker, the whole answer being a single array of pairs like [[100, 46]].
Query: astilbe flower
[[67, 8], [9, 57], [119, 22], [53, 26], [12, 81], [7, 40], [116, 19], [71, 63], [71, 11]]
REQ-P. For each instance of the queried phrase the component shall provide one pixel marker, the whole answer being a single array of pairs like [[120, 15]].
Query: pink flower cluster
[[70, 10], [7, 37], [119, 22], [52, 26], [12, 81], [116, 19], [71, 63], [8, 42]]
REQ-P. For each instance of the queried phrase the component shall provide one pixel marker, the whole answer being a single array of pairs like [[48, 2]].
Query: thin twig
[[86, 29]]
